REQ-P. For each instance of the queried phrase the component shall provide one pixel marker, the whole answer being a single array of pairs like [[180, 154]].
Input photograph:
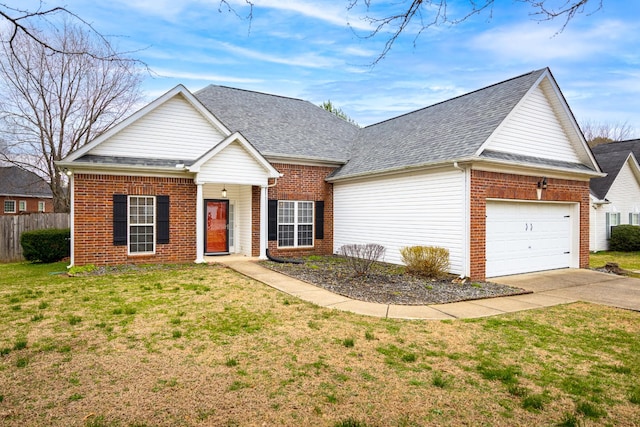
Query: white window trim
[[42, 206], [22, 205], [14, 206], [129, 225], [634, 218], [610, 223], [296, 223]]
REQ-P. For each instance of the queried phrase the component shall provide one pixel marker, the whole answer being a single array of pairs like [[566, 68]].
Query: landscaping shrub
[[428, 261], [361, 257], [49, 245], [625, 238]]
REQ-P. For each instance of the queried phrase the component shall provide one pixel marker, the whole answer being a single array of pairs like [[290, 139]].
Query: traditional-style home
[[499, 177], [23, 192], [615, 198]]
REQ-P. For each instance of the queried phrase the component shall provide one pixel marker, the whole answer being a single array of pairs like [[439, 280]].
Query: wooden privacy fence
[[12, 227]]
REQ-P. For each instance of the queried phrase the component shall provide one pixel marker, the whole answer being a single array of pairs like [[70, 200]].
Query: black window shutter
[[119, 219], [320, 219], [272, 221], [162, 219]]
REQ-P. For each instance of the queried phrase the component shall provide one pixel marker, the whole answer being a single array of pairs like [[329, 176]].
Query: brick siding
[[302, 183], [495, 185], [32, 204], [93, 218]]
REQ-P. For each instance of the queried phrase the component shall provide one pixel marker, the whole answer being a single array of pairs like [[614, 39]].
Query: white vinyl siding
[[404, 210], [624, 198], [142, 224], [233, 165], [533, 129], [175, 130]]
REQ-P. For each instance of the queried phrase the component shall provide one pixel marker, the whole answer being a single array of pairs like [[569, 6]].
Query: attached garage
[[523, 237]]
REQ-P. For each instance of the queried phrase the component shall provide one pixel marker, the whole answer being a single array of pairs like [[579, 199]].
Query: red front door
[[216, 221]]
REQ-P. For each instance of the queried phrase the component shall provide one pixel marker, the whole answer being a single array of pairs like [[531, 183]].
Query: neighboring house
[[23, 192], [499, 177], [615, 198]]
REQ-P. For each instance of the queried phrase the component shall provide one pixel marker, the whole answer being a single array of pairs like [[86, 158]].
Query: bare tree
[[432, 13], [597, 133], [20, 23], [54, 101]]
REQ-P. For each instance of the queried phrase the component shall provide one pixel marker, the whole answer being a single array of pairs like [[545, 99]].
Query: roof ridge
[[256, 92], [457, 97]]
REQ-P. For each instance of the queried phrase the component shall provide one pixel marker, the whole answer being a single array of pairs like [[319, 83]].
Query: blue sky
[[316, 50]]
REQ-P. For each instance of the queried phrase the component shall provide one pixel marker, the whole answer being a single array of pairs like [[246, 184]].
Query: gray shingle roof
[[446, 131], [131, 161], [17, 181], [281, 126], [611, 158]]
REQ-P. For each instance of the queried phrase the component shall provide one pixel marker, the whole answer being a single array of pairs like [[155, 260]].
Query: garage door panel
[[524, 237]]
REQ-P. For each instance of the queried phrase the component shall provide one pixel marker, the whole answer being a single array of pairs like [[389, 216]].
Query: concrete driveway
[[580, 285]]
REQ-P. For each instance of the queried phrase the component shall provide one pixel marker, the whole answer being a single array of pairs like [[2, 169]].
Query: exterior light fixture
[[542, 185], [67, 172], [224, 192]]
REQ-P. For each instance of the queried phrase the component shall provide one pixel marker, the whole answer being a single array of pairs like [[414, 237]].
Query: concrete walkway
[[549, 288], [580, 285]]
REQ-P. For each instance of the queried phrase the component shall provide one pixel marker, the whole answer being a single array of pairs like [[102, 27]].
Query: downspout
[[264, 219], [466, 219], [71, 220]]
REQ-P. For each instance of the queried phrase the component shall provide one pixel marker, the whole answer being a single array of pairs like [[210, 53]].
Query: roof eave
[[474, 160]]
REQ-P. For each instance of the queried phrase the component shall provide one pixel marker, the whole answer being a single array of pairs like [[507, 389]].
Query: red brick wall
[[299, 183], [518, 187], [32, 204], [93, 218]]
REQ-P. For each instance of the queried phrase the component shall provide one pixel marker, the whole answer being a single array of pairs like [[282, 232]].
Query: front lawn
[[626, 260], [203, 345]]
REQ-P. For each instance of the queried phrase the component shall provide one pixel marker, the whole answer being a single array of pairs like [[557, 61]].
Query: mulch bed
[[388, 283]]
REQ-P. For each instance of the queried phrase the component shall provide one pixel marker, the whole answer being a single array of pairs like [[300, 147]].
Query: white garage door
[[525, 237]]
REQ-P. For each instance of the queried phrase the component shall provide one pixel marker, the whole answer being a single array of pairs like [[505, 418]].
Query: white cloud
[[186, 75], [309, 60], [539, 43], [334, 13]]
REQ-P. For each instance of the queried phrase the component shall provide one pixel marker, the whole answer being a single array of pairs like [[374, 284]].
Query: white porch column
[[199, 224], [263, 222]]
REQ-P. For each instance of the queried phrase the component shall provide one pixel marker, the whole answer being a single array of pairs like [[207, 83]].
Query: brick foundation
[[298, 183], [93, 218], [495, 185]]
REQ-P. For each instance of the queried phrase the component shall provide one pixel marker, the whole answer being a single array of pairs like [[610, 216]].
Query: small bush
[[625, 238], [48, 245], [361, 257], [428, 261]]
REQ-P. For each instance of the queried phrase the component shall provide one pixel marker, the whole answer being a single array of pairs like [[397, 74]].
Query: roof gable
[[612, 158], [167, 127], [541, 126], [234, 161]]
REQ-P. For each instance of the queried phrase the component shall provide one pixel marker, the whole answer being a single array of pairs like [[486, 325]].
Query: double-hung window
[[9, 206], [612, 219], [634, 218], [142, 224], [22, 205], [40, 206], [295, 223]]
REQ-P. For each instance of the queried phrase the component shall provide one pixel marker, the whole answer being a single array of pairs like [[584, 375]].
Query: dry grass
[[198, 346]]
